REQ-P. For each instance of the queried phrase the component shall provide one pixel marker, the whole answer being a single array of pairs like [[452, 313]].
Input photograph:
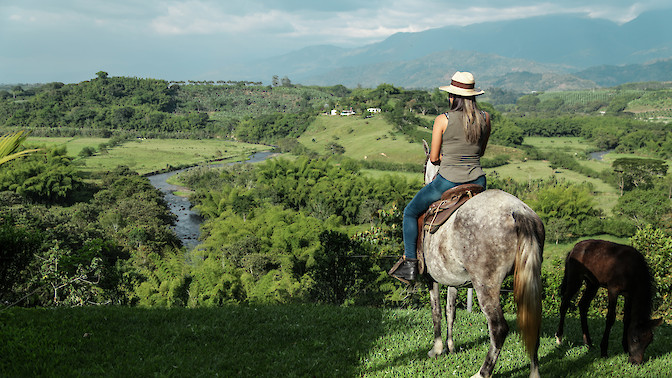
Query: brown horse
[[490, 236], [623, 271]]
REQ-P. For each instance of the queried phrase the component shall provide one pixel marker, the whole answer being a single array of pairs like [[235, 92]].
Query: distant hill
[[548, 47], [436, 69], [609, 76]]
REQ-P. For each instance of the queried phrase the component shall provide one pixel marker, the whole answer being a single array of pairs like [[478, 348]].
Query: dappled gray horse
[[492, 235]]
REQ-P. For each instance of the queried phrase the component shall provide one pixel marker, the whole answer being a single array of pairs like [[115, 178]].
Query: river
[[599, 154], [188, 223]]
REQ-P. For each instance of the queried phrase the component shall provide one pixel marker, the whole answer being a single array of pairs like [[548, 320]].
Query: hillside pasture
[[363, 139], [573, 98], [653, 105]]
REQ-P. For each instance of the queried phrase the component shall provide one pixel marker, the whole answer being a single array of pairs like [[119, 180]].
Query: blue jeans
[[426, 196]]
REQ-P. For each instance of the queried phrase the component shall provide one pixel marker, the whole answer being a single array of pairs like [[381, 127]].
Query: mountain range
[[546, 53]]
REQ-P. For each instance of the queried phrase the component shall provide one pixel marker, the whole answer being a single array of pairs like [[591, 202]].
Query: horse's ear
[[653, 323], [426, 146]]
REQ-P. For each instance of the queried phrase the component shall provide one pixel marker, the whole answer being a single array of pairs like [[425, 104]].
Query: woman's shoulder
[[447, 115]]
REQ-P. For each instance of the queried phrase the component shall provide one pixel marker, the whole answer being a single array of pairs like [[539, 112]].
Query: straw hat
[[462, 84]]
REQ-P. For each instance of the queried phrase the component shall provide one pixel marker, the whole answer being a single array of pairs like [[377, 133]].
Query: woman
[[459, 138]]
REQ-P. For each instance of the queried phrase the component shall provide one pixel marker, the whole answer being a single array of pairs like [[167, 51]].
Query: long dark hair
[[476, 127]]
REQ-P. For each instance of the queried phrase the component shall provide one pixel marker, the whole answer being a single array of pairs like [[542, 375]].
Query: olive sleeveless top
[[461, 160]]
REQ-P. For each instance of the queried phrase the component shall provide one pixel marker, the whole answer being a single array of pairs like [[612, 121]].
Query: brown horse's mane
[[642, 297]]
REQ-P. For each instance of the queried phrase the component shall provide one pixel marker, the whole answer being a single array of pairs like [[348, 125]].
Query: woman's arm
[[440, 124], [486, 136]]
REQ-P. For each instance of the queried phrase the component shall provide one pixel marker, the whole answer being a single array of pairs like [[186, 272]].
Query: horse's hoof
[[558, 339], [433, 354]]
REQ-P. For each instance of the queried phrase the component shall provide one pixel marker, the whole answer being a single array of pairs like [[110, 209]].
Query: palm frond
[[10, 143]]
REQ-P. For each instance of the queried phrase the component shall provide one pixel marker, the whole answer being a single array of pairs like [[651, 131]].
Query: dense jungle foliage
[[310, 229]]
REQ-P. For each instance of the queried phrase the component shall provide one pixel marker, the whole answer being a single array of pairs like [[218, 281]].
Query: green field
[[292, 341], [570, 145], [150, 155], [73, 144]]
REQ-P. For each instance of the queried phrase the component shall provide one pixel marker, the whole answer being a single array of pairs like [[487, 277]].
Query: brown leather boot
[[405, 270]]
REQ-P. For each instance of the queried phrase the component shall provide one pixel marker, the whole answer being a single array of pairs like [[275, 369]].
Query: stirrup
[[405, 270]]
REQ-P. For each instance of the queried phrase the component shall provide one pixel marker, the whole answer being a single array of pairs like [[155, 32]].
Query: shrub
[[656, 246]]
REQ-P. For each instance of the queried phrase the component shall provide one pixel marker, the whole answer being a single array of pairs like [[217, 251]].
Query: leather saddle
[[439, 211]]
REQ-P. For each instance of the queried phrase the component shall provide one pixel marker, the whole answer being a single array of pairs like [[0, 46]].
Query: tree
[[572, 205], [638, 173], [528, 103], [285, 82], [340, 271], [644, 206], [18, 246], [507, 133], [17, 90], [10, 143]]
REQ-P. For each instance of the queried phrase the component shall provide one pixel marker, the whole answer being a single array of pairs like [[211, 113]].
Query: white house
[[374, 110]]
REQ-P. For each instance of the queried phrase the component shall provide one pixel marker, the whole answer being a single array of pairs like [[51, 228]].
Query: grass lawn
[[291, 341], [408, 176], [149, 155], [73, 144]]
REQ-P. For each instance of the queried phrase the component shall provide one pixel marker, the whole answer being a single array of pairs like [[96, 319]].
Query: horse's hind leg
[[488, 300], [435, 301], [451, 298], [584, 305]]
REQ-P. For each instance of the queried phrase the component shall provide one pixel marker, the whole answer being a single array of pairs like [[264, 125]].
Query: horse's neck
[[641, 303]]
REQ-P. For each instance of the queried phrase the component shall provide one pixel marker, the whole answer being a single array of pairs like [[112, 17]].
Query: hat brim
[[461, 91]]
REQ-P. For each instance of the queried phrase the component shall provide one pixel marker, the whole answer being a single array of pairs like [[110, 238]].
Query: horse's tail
[[527, 277]]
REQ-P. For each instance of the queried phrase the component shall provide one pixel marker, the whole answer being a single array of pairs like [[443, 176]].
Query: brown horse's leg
[[451, 298], [488, 300], [611, 318], [627, 309], [435, 301], [571, 283], [584, 305]]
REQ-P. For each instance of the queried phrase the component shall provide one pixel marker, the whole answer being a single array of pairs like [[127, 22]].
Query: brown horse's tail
[[527, 277]]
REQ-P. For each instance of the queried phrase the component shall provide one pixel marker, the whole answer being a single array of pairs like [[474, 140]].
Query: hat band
[[462, 85]]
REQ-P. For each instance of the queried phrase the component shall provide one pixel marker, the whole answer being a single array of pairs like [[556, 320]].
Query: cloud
[[204, 19], [43, 36]]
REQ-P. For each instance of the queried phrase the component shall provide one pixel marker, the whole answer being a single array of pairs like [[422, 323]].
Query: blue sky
[[70, 40]]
